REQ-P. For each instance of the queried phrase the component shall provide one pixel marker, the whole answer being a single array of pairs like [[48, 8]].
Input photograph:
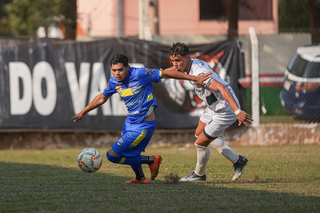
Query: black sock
[[146, 160], [139, 173]]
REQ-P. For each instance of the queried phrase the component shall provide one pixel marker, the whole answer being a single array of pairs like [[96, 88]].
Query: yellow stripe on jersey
[[122, 160], [125, 92], [150, 97], [149, 111], [139, 139], [160, 73]]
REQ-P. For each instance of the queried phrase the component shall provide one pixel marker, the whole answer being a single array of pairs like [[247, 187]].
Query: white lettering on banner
[[44, 105], [20, 106], [32, 88], [98, 83], [78, 90]]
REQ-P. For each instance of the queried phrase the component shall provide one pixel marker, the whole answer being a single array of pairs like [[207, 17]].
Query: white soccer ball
[[89, 160]]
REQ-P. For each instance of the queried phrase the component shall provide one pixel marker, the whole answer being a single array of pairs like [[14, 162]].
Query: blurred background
[[287, 57]]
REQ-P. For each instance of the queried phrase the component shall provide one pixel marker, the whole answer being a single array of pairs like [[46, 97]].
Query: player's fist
[[77, 117]]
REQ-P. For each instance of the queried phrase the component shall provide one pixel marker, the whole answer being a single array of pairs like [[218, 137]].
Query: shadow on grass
[[42, 188]]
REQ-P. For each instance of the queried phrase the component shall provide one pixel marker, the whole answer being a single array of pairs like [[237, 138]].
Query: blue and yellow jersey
[[136, 92]]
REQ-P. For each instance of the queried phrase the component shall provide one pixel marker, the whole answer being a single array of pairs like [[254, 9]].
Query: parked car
[[301, 89]]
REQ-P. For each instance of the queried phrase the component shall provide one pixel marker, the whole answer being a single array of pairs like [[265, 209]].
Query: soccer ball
[[89, 160]]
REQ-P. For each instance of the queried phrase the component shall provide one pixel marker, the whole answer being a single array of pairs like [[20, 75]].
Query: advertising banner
[[44, 82]]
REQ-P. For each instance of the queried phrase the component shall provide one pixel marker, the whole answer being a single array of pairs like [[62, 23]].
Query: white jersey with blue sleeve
[[213, 100]]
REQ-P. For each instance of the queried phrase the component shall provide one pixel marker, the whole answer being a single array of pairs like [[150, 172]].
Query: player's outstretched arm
[[170, 73], [243, 117], [96, 102]]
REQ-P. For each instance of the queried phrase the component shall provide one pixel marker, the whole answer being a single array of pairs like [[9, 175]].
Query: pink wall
[[177, 17], [103, 16]]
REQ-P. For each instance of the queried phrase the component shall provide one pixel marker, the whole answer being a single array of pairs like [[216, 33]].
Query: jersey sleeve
[[147, 76], [109, 90], [205, 69]]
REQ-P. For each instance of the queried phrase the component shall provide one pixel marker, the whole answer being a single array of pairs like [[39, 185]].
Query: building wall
[[176, 17], [103, 17]]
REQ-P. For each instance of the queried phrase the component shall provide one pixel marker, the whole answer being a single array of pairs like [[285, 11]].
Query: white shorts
[[217, 122]]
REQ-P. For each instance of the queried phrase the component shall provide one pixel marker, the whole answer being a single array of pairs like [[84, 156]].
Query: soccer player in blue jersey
[[134, 86]]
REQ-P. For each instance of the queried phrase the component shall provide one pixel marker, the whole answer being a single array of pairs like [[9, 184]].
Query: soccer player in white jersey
[[223, 109]]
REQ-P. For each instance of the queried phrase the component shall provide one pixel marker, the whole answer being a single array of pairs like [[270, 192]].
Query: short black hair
[[179, 49], [119, 58]]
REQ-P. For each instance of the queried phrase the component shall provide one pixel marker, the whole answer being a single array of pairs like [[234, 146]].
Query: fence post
[[255, 77]]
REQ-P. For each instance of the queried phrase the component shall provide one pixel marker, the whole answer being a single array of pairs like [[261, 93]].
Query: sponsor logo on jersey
[[120, 142], [136, 89], [118, 87]]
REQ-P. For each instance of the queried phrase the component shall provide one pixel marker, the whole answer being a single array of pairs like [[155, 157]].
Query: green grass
[[277, 179]]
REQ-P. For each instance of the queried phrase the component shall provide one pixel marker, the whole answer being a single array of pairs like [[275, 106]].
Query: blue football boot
[[193, 177]]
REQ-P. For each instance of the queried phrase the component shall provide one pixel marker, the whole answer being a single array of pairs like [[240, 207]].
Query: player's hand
[[77, 117], [244, 118], [201, 78]]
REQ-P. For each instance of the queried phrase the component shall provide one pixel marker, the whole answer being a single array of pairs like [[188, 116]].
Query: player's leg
[[128, 148], [200, 128], [208, 134], [218, 124], [134, 162], [203, 152]]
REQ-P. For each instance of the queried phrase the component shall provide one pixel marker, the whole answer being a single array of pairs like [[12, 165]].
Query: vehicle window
[[312, 70], [297, 65]]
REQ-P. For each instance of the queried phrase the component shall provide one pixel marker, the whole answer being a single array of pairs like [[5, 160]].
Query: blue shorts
[[134, 138]]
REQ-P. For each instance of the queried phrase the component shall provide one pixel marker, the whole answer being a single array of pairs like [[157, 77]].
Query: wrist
[[237, 111]]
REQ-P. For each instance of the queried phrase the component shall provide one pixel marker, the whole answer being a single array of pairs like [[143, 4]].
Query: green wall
[[270, 96]]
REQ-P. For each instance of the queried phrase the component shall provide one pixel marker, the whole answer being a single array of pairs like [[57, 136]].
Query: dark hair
[[179, 49], [119, 58]]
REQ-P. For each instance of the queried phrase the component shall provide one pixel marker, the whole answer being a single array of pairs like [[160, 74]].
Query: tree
[[233, 16], [314, 7], [293, 16], [24, 17], [70, 22]]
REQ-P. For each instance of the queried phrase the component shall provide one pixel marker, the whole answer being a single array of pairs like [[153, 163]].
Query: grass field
[[276, 179]]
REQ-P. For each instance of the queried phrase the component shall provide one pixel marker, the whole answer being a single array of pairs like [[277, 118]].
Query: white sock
[[203, 155], [224, 149]]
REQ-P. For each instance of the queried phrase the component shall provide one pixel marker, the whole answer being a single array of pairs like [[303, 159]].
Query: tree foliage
[[22, 18], [294, 16]]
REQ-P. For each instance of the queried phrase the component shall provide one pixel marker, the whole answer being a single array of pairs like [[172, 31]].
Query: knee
[[113, 159], [218, 144], [197, 132]]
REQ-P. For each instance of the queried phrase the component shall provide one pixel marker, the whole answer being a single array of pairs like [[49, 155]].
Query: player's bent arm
[[243, 117], [219, 87], [96, 102]]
